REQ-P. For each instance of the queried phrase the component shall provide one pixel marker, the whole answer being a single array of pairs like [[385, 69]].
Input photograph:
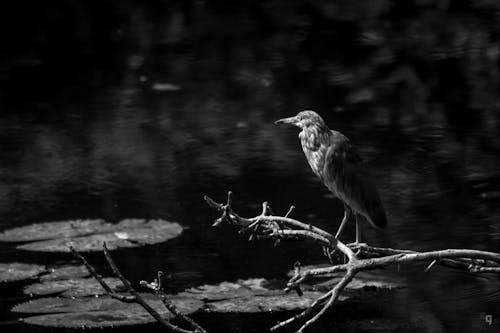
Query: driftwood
[[359, 256]]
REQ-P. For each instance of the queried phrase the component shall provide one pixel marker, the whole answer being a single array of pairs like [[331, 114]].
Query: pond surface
[[177, 102]]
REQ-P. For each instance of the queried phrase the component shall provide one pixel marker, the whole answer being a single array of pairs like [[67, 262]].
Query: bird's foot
[[357, 246], [328, 252]]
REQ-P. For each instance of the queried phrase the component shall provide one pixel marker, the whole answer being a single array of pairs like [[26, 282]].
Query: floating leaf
[[102, 303], [97, 319], [52, 230], [249, 296], [65, 272], [89, 235], [72, 287], [243, 296], [226, 290], [17, 271], [270, 301], [98, 311]]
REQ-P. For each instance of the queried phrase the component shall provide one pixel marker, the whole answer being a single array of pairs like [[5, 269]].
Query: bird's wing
[[345, 174]]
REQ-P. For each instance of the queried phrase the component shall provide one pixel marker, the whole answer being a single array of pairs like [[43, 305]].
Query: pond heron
[[334, 160]]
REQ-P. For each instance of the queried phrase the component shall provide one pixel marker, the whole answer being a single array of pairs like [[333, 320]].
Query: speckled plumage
[[335, 161]]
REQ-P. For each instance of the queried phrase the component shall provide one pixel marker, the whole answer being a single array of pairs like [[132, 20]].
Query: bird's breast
[[315, 146]]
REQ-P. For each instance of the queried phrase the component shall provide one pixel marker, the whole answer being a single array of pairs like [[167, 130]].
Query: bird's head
[[303, 119]]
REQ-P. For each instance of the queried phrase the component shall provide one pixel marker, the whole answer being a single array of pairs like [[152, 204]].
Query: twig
[[157, 287], [431, 265], [268, 224], [304, 314], [333, 297], [135, 297], [99, 278]]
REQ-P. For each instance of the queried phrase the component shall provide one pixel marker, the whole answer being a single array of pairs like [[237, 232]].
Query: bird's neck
[[315, 142], [314, 136]]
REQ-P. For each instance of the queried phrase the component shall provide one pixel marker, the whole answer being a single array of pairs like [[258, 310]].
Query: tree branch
[[135, 297], [360, 256]]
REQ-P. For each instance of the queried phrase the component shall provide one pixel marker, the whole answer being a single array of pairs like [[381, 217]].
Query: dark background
[[117, 109]]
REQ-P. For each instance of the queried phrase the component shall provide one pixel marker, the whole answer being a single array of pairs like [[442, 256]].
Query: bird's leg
[[347, 214], [358, 230], [358, 243], [327, 253]]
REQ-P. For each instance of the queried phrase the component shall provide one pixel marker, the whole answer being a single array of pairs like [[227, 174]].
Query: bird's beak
[[290, 120]]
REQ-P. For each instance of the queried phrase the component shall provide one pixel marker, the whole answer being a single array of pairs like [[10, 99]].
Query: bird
[[336, 162]]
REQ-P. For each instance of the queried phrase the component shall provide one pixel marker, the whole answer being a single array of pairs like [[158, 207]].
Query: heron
[[334, 159]]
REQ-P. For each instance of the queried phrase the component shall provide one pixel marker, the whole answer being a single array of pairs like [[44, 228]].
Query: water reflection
[[176, 105]]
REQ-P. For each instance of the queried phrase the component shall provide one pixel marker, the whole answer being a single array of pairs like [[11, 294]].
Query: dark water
[[129, 110]]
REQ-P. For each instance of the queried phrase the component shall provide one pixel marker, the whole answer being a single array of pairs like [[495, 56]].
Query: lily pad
[[89, 235], [249, 296], [16, 271], [226, 290], [97, 319], [65, 272], [52, 230], [72, 287], [97, 311], [242, 296], [271, 301]]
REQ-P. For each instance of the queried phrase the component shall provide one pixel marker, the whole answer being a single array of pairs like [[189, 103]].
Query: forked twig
[[158, 289], [135, 297]]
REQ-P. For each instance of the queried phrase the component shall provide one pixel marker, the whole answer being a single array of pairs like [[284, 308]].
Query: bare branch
[[267, 223], [157, 287], [135, 297], [99, 278], [333, 297], [304, 314], [360, 256], [178, 314]]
